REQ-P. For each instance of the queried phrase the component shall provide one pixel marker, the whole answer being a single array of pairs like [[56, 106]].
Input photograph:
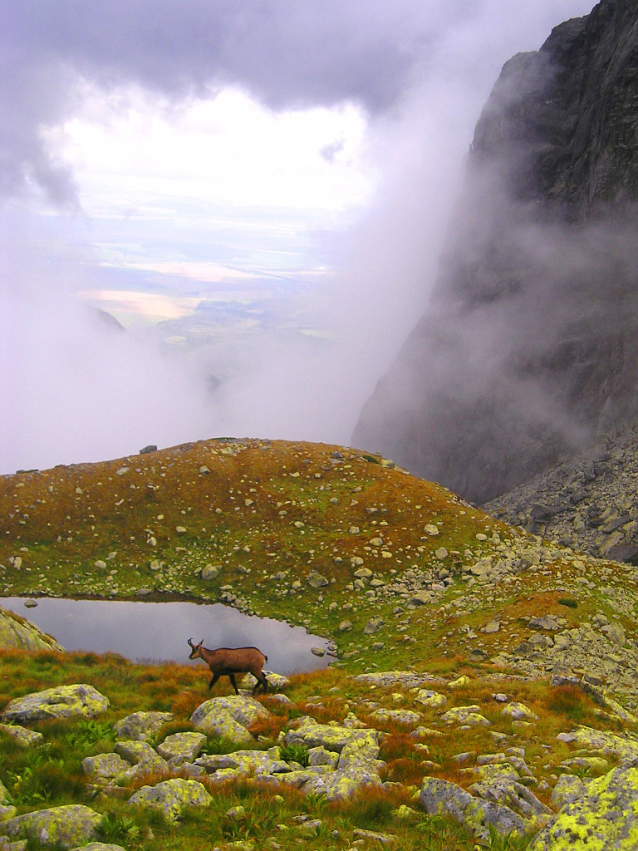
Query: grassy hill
[[398, 572]]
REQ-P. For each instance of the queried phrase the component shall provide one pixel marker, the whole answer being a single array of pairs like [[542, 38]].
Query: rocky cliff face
[[529, 348]]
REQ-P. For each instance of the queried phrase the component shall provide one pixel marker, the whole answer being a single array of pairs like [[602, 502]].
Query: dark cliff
[[529, 347]]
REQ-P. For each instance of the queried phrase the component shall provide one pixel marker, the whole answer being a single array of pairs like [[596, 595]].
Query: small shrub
[[569, 602], [218, 745], [118, 829], [295, 753]]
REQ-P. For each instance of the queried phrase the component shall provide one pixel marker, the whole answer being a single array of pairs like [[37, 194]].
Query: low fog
[[76, 388]]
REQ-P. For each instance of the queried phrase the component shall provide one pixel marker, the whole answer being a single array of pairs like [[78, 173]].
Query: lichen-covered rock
[[604, 818], [397, 716], [431, 699], [401, 679], [182, 747], [590, 765], [275, 681], [7, 810], [229, 717], [518, 712], [172, 797], [509, 792], [23, 736], [568, 788], [465, 715], [144, 758], [624, 747], [102, 769], [440, 797], [246, 762], [321, 756], [17, 632], [312, 734], [72, 701], [99, 846], [141, 725], [64, 827]]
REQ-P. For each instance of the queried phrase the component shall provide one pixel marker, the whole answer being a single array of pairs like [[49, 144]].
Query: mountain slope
[[529, 347]]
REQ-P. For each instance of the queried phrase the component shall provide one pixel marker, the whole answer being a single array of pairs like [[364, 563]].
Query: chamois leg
[[261, 681], [213, 681], [231, 677]]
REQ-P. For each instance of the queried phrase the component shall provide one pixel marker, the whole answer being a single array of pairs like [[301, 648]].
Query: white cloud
[[128, 146]]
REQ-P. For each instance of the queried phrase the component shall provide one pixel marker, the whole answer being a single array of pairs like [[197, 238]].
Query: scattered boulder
[[171, 797], [465, 715], [182, 747], [72, 701], [102, 769], [245, 762], [604, 816], [17, 632], [229, 717], [60, 827], [440, 797], [140, 726], [23, 736]]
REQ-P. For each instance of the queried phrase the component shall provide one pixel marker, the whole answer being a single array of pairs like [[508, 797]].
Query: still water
[[159, 631]]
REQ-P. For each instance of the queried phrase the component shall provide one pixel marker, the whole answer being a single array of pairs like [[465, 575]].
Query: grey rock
[[23, 736], [72, 701], [229, 717], [440, 797], [603, 817], [140, 726], [182, 747], [67, 826], [171, 797]]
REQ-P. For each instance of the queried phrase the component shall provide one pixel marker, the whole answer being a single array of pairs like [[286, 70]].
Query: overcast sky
[[159, 153]]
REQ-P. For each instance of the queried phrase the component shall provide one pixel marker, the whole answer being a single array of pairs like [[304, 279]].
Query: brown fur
[[227, 661]]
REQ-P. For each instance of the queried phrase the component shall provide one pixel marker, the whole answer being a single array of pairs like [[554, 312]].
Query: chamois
[[226, 661]]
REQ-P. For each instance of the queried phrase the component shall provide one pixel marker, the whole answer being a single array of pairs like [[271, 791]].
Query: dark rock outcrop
[[529, 348], [587, 502]]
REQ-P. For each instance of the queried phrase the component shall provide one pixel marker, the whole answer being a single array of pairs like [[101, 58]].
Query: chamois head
[[195, 649]]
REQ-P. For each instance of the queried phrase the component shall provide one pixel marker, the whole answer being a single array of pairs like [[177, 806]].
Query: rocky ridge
[[588, 502], [529, 347]]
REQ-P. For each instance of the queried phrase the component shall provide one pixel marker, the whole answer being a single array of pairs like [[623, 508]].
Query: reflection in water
[[159, 631]]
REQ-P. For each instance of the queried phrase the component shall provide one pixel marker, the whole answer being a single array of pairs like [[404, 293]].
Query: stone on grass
[[309, 732], [397, 716], [440, 797], [72, 701], [372, 836], [229, 717], [182, 747], [246, 762], [141, 725], [431, 699], [144, 758], [518, 712], [62, 827], [465, 715], [568, 789], [24, 737], [604, 817], [102, 769], [275, 681], [99, 846], [172, 797]]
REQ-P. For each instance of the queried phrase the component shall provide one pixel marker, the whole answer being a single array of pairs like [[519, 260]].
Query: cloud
[[420, 70], [298, 54]]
